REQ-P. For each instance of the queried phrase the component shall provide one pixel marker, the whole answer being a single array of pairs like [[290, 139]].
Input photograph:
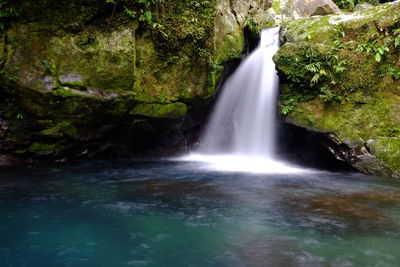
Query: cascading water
[[243, 122], [240, 135]]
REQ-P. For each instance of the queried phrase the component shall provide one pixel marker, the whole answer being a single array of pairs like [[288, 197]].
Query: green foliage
[[7, 13], [322, 70], [142, 10], [288, 102], [130, 12], [20, 116], [14, 79], [377, 51], [393, 131], [173, 24], [393, 71], [396, 39], [326, 65], [310, 119], [339, 34], [380, 45], [328, 95], [253, 28], [346, 4], [316, 70]]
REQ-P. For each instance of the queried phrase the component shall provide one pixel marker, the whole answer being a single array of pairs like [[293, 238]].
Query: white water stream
[[240, 135]]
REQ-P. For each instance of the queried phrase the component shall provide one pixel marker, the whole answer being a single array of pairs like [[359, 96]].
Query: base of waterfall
[[241, 163]]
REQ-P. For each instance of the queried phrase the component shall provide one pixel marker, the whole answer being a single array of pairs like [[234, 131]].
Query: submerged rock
[[347, 212], [341, 78], [381, 199]]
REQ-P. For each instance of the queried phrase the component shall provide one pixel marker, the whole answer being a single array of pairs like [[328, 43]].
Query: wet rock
[[71, 77], [362, 6], [47, 83], [360, 157]]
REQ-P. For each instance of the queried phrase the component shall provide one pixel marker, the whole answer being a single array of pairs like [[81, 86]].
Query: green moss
[[232, 48], [318, 29], [43, 149], [75, 85], [174, 110], [388, 150], [60, 129], [276, 6], [214, 78]]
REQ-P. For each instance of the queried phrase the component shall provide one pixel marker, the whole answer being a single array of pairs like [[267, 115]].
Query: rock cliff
[[81, 78], [341, 76]]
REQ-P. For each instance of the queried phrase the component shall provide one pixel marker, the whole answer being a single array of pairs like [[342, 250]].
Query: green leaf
[[20, 116], [129, 12], [397, 42], [314, 79], [378, 57]]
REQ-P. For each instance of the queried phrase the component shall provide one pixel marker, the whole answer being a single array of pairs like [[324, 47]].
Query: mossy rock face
[[341, 75], [79, 78], [175, 110], [89, 59]]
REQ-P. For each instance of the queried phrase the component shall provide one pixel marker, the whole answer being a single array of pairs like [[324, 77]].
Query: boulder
[[316, 7], [362, 7], [324, 9]]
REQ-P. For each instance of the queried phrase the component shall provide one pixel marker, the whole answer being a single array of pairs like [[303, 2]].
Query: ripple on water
[[181, 214]]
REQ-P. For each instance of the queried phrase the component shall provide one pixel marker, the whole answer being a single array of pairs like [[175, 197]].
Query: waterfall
[[240, 134], [243, 121]]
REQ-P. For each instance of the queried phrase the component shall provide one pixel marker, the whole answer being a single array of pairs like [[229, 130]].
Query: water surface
[[173, 213]]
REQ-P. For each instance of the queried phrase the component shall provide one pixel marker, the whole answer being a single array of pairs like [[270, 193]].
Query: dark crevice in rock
[[233, 11], [251, 40], [308, 148], [326, 151]]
